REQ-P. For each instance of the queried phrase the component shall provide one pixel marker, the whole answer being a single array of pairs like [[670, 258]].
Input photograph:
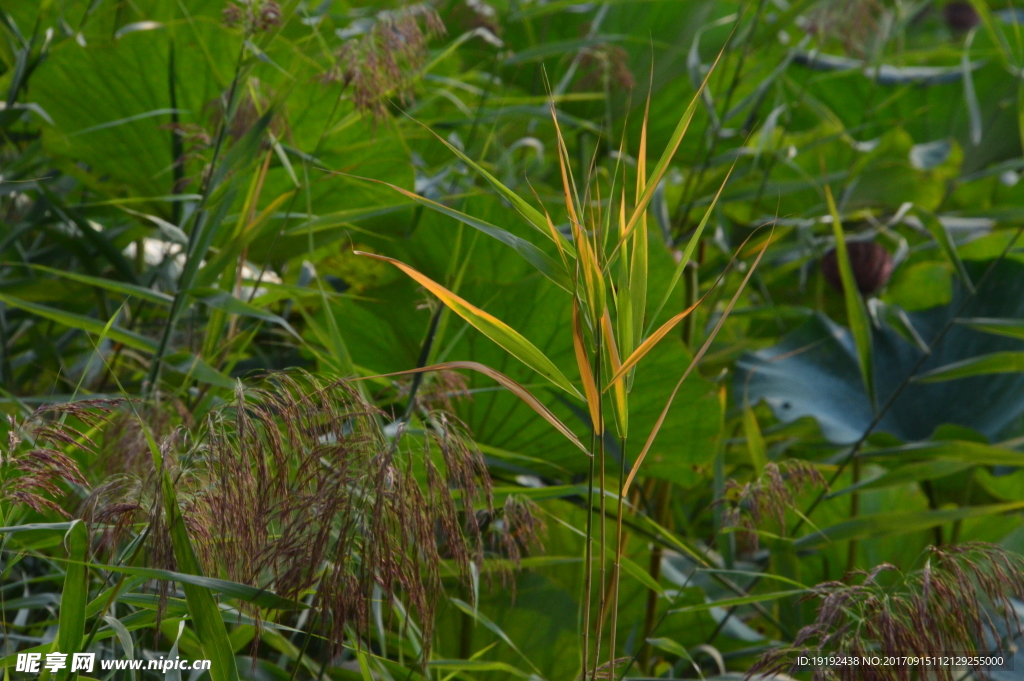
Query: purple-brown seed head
[[872, 266]]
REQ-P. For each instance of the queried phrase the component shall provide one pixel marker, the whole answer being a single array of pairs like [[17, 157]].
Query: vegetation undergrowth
[[511, 339]]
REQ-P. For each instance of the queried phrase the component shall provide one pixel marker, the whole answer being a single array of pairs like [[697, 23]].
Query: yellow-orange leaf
[[586, 373], [513, 387], [498, 331]]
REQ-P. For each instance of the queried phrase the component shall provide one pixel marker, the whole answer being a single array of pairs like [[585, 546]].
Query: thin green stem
[[616, 566], [851, 555], [602, 502], [153, 377], [588, 555]]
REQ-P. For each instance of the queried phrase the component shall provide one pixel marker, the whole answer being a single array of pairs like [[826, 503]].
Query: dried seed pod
[[961, 15], [872, 266], [269, 16]]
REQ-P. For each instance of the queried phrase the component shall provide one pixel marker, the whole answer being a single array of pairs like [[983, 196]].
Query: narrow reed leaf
[[544, 263], [945, 242], [651, 184], [1014, 328], [494, 628], [755, 440], [967, 451], [653, 340], [498, 331], [100, 241], [479, 666], [112, 285], [856, 314], [225, 302], [532, 215], [887, 524], [83, 323], [586, 256], [688, 251], [638, 573], [513, 387], [732, 602], [242, 592], [586, 372], [910, 473], [693, 363], [124, 637], [621, 293], [75, 595], [983, 365], [620, 399], [202, 607]]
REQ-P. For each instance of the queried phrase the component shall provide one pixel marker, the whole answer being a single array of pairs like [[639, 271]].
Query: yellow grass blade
[[585, 254], [666, 157], [653, 340], [531, 214], [498, 331], [620, 399], [545, 264], [586, 373], [513, 387], [694, 240]]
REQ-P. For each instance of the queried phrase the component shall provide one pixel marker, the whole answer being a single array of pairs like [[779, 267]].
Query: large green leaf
[[814, 371], [110, 98]]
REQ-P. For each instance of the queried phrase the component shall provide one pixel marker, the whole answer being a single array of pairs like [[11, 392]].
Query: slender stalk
[[662, 496], [588, 555], [851, 555], [150, 387], [616, 566], [602, 501], [683, 211]]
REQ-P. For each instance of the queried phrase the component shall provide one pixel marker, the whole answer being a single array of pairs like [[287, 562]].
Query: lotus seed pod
[[872, 266], [961, 15]]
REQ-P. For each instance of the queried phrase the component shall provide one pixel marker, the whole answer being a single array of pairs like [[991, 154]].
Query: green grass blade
[[202, 607], [225, 302], [856, 314], [945, 241], [75, 595], [532, 215], [912, 472], [96, 238], [1013, 328], [112, 285], [82, 323], [976, 453], [982, 365], [510, 385], [124, 637], [494, 628], [243, 592], [743, 600], [755, 440], [688, 252], [479, 666], [544, 263], [887, 524]]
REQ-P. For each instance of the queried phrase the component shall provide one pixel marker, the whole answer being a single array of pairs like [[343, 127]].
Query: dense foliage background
[[188, 193]]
